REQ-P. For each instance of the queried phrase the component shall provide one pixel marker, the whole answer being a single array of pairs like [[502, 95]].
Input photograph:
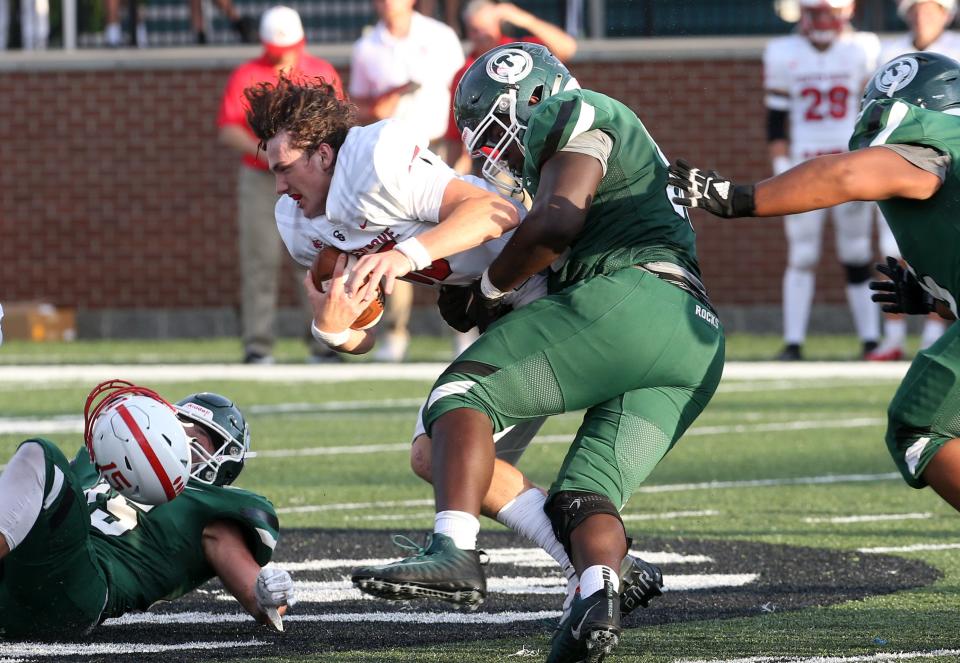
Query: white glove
[[274, 588]]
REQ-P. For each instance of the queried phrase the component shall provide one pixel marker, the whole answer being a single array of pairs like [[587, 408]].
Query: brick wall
[[115, 194]]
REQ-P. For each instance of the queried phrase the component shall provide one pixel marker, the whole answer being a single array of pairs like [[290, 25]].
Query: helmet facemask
[[211, 413], [481, 144]]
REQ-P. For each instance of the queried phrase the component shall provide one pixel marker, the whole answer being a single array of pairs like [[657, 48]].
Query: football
[[322, 272]]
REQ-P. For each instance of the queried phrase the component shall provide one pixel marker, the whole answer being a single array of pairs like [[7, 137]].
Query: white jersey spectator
[[419, 64], [814, 81], [928, 21]]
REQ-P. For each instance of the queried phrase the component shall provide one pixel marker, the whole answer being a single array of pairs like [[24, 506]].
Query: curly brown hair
[[307, 109]]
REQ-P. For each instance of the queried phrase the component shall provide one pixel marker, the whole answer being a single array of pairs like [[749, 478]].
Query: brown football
[[322, 271]]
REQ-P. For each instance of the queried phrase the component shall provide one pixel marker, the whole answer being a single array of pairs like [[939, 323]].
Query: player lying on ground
[[627, 333], [906, 156], [78, 546], [376, 192]]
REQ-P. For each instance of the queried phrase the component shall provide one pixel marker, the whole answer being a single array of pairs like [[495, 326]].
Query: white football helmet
[[821, 21], [136, 442], [903, 6]]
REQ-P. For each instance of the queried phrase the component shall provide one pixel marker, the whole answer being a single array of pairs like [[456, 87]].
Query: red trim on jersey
[[147, 450]]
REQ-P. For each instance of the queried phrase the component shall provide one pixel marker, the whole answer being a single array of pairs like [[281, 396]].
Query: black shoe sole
[[643, 588], [469, 599], [599, 644]]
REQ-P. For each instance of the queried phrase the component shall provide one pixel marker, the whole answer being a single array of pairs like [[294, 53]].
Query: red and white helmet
[[903, 6], [136, 442], [821, 21]]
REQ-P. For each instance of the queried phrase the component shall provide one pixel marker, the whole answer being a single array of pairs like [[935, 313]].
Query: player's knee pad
[[857, 274], [803, 254], [568, 509]]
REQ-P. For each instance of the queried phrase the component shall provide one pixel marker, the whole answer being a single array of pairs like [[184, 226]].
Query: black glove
[[464, 307], [710, 191], [902, 293]]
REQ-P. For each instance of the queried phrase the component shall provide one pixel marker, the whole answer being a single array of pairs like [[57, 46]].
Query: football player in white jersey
[[928, 21], [376, 191], [813, 82]]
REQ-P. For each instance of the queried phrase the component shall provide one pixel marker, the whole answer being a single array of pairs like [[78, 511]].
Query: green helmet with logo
[[228, 430], [496, 97], [927, 80]]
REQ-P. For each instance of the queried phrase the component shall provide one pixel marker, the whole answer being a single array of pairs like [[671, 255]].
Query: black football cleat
[[790, 352], [439, 571], [640, 582], [591, 631]]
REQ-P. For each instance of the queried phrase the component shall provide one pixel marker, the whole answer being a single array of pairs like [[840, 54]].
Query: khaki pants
[[261, 253]]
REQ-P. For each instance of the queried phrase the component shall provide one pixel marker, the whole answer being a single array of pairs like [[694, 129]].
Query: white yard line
[[333, 591], [152, 374], [669, 515], [41, 649], [526, 557], [866, 658], [879, 517], [916, 547], [663, 488], [355, 617]]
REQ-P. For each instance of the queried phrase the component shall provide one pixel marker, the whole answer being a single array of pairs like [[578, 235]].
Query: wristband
[[332, 339], [781, 164], [487, 289], [743, 203], [416, 253]]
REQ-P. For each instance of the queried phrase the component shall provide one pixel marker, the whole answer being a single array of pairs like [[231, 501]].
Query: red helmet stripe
[[147, 451]]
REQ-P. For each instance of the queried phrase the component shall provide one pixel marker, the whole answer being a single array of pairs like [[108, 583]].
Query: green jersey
[[153, 553], [927, 231], [631, 219]]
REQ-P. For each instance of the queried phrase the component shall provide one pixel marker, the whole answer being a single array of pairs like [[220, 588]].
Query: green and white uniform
[[925, 412], [92, 554], [641, 354]]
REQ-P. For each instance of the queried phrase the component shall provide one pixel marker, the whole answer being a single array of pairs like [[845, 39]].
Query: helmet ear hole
[[536, 96]]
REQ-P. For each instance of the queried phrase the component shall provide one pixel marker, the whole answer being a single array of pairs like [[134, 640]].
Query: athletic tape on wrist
[[332, 339], [487, 288], [415, 252]]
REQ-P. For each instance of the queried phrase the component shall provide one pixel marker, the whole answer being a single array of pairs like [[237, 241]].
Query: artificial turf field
[[782, 529]]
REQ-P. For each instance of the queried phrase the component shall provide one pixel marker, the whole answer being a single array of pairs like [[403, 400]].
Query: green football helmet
[[927, 80], [495, 99], [226, 426]]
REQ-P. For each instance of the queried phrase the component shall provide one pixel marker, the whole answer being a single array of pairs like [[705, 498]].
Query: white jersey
[[947, 44], [386, 188], [820, 90]]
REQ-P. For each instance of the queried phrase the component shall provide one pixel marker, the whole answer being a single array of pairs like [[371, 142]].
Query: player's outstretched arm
[[873, 173], [264, 593], [568, 182]]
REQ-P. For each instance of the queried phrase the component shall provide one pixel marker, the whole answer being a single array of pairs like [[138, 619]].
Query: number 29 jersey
[[820, 90], [154, 553]]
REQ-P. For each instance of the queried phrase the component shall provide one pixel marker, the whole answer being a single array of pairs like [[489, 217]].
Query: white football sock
[[21, 493], [524, 514], [460, 526], [866, 313], [593, 577], [932, 330], [894, 333], [798, 287]]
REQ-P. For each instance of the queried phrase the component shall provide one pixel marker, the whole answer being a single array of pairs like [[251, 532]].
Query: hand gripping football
[[322, 272]]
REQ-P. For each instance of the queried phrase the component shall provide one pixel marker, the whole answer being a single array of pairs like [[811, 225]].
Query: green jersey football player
[[905, 154], [79, 545], [626, 333]]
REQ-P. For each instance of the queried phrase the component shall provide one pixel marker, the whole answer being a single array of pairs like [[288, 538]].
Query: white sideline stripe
[[33, 649], [530, 557], [669, 515], [880, 517], [333, 591], [866, 658], [663, 488], [334, 406], [152, 374], [399, 617], [917, 547]]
